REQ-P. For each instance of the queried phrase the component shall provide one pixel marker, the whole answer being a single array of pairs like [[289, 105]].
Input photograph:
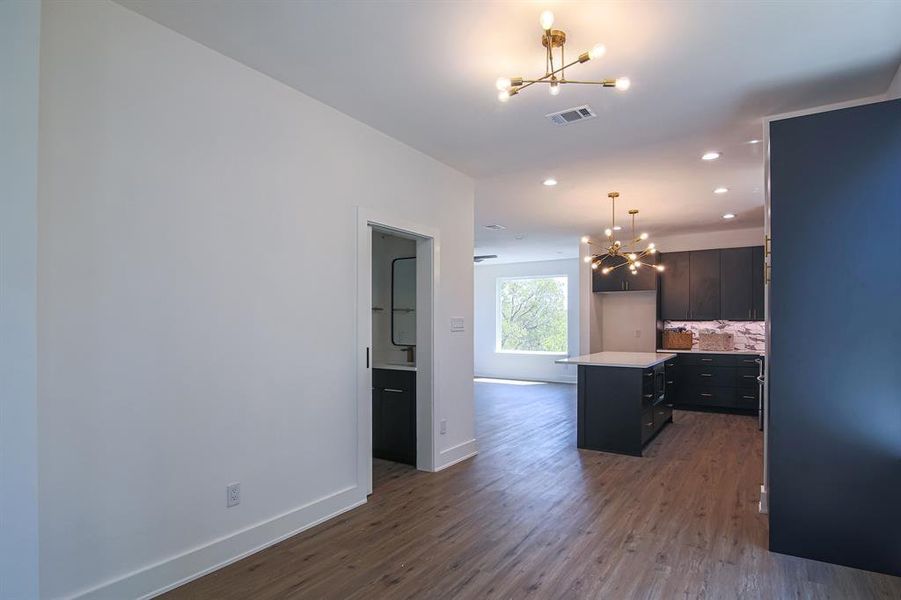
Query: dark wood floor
[[533, 517]]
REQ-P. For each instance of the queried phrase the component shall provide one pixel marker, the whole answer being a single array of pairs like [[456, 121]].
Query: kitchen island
[[621, 400]]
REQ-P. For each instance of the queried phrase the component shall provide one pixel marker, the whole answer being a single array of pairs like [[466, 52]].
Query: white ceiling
[[703, 76]]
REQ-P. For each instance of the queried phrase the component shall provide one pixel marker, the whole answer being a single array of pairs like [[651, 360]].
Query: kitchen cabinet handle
[[650, 424], [750, 376], [648, 396], [706, 360], [706, 375], [749, 397], [649, 374], [706, 395], [670, 381], [393, 391]]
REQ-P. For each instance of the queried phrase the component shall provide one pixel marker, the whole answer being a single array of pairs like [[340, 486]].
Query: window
[[531, 315]]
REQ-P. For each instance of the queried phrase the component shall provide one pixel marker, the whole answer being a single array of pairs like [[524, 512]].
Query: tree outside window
[[532, 315]]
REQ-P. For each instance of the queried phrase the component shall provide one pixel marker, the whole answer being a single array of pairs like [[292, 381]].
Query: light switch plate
[[456, 324]]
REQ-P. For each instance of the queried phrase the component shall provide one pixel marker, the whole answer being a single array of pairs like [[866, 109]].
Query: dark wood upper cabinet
[[736, 297], [758, 282], [674, 286], [704, 285], [611, 282], [645, 277]]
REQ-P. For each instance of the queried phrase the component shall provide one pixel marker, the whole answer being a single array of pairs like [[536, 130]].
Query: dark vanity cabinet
[[622, 280], [394, 415], [708, 285]]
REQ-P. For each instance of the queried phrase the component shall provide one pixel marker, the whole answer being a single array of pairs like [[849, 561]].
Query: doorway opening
[[395, 330]]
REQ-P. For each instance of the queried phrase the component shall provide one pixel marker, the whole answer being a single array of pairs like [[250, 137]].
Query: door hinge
[[768, 274], [766, 246]]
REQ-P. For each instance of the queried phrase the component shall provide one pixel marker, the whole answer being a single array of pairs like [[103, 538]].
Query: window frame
[[499, 281]]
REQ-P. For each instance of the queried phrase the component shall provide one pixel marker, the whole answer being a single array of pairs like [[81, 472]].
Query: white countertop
[[394, 366], [747, 352], [639, 360]]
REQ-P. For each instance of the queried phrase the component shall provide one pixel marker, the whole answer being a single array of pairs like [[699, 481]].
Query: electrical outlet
[[233, 495], [443, 426], [638, 333]]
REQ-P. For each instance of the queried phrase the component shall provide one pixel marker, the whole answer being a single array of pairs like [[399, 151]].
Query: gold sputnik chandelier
[[615, 253], [555, 73]]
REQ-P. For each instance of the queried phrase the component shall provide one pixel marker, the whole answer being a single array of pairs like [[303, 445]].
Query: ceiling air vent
[[571, 115]]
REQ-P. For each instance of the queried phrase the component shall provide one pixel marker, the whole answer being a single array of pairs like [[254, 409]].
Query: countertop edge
[[739, 352]]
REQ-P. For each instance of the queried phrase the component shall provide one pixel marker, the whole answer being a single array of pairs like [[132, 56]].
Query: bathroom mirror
[[403, 301]]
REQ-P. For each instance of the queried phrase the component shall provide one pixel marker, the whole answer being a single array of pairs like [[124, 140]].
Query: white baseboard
[[458, 453], [170, 573]]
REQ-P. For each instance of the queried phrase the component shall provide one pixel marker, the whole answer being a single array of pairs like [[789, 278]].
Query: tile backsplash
[[749, 335]]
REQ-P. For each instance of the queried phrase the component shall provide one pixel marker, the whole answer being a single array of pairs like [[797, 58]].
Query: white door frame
[[427, 254]]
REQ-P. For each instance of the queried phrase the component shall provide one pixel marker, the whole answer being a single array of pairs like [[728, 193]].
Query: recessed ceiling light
[[710, 155], [495, 227], [728, 216], [519, 237], [753, 141], [549, 181], [617, 227], [721, 190]]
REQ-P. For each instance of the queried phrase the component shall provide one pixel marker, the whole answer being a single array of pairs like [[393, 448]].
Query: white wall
[[196, 315], [385, 248], [628, 321], [733, 238], [20, 24], [489, 362]]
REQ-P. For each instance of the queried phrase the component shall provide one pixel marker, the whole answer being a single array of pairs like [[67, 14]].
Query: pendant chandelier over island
[[616, 254]]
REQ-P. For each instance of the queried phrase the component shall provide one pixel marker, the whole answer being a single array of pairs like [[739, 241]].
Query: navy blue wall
[[835, 363]]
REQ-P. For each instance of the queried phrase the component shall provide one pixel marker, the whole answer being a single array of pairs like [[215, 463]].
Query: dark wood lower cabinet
[[394, 415], [621, 408], [715, 382]]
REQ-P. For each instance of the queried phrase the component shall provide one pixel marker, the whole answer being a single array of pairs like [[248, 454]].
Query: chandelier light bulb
[[605, 270], [633, 256], [554, 88], [660, 268], [617, 243], [503, 83], [608, 232], [651, 246], [546, 20], [623, 83], [598, 51], [587, 259], [584, 239], [594, 265], [652, 250], [643, 236], [503, 95]]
